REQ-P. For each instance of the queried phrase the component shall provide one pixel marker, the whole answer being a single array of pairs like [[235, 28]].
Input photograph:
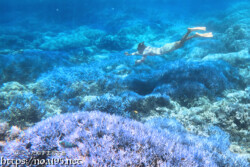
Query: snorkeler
[[145, 51]]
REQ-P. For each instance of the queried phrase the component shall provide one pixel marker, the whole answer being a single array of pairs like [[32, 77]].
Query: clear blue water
[[61, 57], [78, 13]]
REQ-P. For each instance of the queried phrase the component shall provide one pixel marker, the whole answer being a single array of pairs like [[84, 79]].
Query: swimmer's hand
[[138, 62], [127, 54]]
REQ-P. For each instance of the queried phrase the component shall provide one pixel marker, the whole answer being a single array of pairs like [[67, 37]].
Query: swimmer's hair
[[141, 46]]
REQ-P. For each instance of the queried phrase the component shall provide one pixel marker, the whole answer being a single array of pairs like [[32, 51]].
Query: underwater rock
[[236, 36], [2, 144], [7, 133], [13, 41], [112, 42], [4, 127], [234, 58], [132, 143], [231, 28], [196, 52], [245, 73], [74, 39], [128, 37], [14, 133]]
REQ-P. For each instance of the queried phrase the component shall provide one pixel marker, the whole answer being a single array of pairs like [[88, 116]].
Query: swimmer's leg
[[205, 35], [197, 28], [185, 37], [180, 43]]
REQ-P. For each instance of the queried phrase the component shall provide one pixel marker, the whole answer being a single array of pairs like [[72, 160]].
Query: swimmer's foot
[[206, 35], [197, 28]]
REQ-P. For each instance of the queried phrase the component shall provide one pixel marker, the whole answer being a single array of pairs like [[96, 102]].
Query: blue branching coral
[[101, 139]]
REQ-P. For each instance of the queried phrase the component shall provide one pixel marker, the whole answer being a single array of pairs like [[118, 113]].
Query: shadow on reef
[[185, 81]]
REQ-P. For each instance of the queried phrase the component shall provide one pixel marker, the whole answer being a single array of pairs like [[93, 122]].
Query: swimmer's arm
[[131, 54], [141, 60]]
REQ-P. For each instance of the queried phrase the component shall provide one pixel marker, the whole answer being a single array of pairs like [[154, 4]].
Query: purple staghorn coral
[[100, 139]]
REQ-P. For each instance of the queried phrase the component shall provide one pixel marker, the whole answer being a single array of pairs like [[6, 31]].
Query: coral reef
[[127, 37], [4, 126], [188, 80], [237, 59], [19, 106], [75, 62], [8, 133], [232, 27], [234, 58], [237, 33], [89, 136], [70, 85], [26, 65], [16, 38], [75, 39], [180, 80], [14, 132], [231, 114], [126, 104]]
